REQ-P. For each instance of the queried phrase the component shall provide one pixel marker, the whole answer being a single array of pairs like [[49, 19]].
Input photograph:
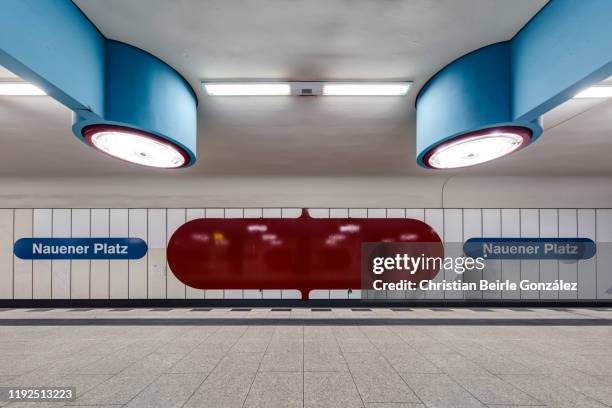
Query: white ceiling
[[307, 136]]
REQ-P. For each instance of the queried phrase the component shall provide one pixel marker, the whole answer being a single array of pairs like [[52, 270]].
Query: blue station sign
[[530, 248], [80, 248]]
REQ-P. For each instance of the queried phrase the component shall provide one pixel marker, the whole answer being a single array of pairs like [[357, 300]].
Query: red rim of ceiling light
[[90, 131], [523, 132]]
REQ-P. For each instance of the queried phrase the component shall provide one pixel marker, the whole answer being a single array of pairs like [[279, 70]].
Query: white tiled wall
[[99, 271], [150, 277]]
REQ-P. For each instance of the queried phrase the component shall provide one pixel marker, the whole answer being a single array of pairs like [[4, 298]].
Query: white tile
[[119, 228], [291, 294], [175, 288], [215, 213], [338, 294], [415, 213], [510, 222], [100, 269], [138, 267], [22, 284], [157, 253], [604, 256], [549, 223], [319, 294], [530, 269], [232, 294], [272, 213], [213, 294], [338, 213], [291, 212], [252, 213], [192, 214], [376, 213], [453, 237], [530, 223], [491, 228], [587, 269], [453, 225], [318, 212], [586, 224], [355, 294], [79, 269], [396, 213], [472, 223], [60, 269], [472, 228], [549, 269], [195, 213], [358, 213], [271, 294], [435, 218], [511, 269], [234, 213], [6, 253], [568, 271], [43, 222], [81, 222], [252, 294]]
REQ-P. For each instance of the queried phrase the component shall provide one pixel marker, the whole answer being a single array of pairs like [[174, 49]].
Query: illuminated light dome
[[477, 147], [135, 146]]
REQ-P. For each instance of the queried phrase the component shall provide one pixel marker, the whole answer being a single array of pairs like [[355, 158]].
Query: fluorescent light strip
[[598, 91], [247, 89], [19, 89], [366, 88]]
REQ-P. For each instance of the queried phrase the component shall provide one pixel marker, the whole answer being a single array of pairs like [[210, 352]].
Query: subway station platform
[[301, 204], [319, 357]]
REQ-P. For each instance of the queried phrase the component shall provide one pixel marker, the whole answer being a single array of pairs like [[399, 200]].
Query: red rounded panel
[[284, 253]]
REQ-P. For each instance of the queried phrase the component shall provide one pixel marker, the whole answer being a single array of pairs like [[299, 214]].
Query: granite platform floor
[[379, 357]]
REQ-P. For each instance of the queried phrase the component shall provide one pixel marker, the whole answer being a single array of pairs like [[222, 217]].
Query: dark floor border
[[303, 322], [222, 303]]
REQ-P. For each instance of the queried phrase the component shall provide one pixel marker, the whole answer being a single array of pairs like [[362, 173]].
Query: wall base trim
[[296, 303]]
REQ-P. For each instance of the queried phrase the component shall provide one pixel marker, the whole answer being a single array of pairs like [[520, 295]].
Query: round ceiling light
[[477, 147], [135, 146]]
